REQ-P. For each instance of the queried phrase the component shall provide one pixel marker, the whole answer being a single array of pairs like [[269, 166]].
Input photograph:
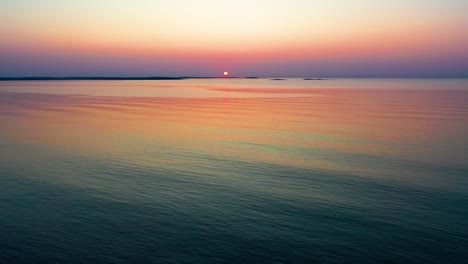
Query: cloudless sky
[[266, 38]]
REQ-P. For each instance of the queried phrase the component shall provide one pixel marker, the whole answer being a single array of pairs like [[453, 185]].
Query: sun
[[226, 73]]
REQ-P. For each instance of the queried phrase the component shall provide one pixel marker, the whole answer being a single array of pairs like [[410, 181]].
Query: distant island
[[87, 78]]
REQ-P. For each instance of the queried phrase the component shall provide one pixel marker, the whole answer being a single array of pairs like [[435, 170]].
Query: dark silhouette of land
[[87, 78], [47, 78]]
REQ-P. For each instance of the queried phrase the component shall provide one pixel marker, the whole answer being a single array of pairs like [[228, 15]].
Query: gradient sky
[[265, 38]]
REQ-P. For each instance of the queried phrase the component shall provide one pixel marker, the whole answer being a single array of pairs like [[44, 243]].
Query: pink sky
[[204, 38]]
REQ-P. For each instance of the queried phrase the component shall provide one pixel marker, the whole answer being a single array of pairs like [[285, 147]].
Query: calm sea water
[[234, 171]]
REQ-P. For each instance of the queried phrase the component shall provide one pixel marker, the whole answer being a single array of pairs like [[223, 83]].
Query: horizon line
[[143, 78]]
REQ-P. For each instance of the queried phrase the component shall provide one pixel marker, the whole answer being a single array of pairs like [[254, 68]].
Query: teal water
[[234, 171]]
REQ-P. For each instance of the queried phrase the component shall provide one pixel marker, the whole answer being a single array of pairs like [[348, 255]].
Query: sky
[[264, 38]]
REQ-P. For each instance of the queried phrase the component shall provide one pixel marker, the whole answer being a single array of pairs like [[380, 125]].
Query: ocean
[[234, 171]]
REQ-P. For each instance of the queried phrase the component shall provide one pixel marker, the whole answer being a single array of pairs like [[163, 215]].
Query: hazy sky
[[284, 38]]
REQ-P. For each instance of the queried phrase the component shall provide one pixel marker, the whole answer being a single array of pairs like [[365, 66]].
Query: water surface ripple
[[234, 171]]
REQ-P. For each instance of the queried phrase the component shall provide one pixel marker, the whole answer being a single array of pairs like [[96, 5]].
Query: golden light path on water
[[234, 170], [284, 122]]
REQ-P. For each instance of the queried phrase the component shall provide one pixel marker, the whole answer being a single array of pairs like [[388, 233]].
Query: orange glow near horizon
[[175, 34]]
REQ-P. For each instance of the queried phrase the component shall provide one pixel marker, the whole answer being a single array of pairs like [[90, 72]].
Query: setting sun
[[226, 73]]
